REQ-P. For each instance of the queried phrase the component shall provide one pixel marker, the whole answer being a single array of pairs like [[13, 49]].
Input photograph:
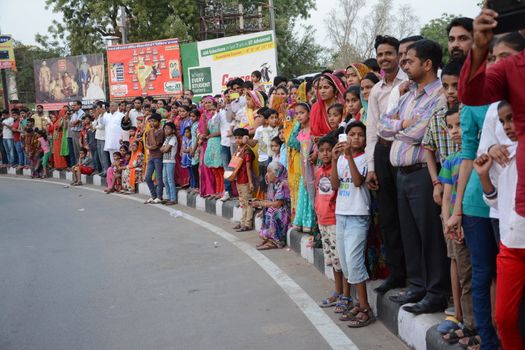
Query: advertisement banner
[[60, 81], [144, 69], [209, 65], [7, 53]]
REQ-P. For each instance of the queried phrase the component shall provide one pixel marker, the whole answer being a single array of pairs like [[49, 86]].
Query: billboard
[[7, 54], [209, 65], [60, 81], [140, 69]]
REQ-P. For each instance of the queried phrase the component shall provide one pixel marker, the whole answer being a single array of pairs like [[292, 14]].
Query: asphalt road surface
[[85, 270]]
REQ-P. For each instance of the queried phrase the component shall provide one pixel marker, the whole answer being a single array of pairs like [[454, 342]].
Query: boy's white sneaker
[[157, 201], [225, 197], [148, 201]]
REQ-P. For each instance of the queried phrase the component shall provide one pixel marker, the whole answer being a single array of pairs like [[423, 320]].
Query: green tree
[[25, 80], [436, 30], [86, 22]]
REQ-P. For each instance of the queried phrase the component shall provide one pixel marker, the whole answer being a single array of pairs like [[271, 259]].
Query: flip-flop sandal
[[449, 324], [469, 342], [454, 336], [244, 229], [359, 322], [262, 243], [268, 246], [327, 303]]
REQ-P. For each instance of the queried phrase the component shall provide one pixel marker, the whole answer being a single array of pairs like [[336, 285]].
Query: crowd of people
[[426, 153]]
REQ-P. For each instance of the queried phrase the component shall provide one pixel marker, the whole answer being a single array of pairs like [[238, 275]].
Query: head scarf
[[360, 69], [258, 101], [319, 116], [257, 98], [278, 190], [133, 171], [302, 95]]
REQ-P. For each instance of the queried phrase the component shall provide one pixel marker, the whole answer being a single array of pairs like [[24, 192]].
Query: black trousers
[[428, 268], [388, 215]]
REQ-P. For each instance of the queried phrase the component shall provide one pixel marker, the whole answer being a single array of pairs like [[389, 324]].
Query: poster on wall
[[60, 81], [209, 65], [144, 69]]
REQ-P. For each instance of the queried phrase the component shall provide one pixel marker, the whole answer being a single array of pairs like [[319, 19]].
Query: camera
[[511, 15]]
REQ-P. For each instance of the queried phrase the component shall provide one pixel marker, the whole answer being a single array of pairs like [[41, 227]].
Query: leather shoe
[[426, 307], [407, 297], [387, 285]]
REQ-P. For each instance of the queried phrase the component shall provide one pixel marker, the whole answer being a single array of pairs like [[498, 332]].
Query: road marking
[[328, 329]]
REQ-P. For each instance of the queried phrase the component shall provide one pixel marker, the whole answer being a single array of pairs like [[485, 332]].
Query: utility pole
[[123, 25], [272, 25]]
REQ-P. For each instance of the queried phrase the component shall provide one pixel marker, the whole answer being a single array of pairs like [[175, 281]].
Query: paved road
[[122, 275]]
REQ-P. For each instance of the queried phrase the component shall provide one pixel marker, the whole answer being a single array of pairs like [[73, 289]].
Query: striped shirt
[[406, 149], [437, 137], [449, 175]]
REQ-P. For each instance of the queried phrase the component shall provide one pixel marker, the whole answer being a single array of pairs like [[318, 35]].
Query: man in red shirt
[[503, 81]]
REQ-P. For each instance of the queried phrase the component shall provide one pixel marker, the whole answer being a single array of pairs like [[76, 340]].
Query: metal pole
[[123, 25], [272, 25], [4, 89]]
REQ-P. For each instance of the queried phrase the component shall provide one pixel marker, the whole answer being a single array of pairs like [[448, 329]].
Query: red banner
[[144, 69]]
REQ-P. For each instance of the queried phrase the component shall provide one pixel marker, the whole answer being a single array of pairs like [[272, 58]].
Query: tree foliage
[[436, 30], [86, 22]]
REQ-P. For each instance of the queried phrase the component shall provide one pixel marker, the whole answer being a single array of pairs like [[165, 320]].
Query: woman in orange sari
[[59, 126], [132, 174]]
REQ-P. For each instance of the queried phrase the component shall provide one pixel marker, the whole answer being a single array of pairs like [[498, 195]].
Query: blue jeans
[[103, 156], [479, 238], [19, 147], [9, 146], [168, 176], [350, 235], [154, 164], [226, 156]]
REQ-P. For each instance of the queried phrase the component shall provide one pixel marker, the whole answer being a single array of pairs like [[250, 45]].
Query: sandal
[[267, 246], [350, 313], [343, 304], [469, 342], [454, 336], [449, 324], [264, 241], [362, 319], [330, 301], [237, 227], [244, 229]]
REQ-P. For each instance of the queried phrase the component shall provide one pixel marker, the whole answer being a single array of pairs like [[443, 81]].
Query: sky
[[36, 19]]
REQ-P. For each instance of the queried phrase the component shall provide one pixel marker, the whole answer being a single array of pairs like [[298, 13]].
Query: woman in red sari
[[59, 125], [330, 91]]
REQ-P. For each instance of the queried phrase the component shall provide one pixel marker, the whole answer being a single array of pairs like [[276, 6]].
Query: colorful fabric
[[276, 221], [305, 219], [449, 175], [212, 157], [437, 137], [360, 69], [186, 158]]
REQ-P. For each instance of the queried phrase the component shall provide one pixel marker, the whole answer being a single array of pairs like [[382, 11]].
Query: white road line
[[328, 329]]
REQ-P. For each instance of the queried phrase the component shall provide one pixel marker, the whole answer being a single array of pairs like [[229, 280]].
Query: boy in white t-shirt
[[352, 209], [263, 137], [499, 191]]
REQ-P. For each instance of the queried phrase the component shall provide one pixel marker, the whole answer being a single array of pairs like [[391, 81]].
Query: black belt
[[412, 168], [384, 142]]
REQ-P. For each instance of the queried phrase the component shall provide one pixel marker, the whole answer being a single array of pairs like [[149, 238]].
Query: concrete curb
[[418, 332]]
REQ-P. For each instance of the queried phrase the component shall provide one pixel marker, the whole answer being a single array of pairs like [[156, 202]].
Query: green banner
[[200, 80]]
